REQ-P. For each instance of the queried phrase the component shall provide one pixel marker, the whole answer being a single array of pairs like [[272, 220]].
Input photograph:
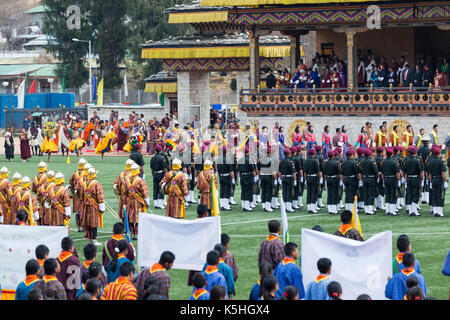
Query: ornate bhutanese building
[[388, 28]]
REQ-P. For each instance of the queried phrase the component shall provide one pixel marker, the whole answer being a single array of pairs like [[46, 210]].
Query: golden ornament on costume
[[300, 123]]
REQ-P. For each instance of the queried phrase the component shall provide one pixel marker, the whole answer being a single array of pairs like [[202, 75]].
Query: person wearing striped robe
[[94, 206], [136, 193], [122, 288], [174, 184]]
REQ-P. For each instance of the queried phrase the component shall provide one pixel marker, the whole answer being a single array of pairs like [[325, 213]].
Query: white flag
[[359, 266], [18, 245], [284, 220], [189, 240], [125, 86], [21, 95]]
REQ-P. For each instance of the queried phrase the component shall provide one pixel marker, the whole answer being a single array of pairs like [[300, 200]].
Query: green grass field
[[430, 236]]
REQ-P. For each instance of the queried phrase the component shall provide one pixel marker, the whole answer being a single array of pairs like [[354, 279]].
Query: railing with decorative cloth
[[343, 100]]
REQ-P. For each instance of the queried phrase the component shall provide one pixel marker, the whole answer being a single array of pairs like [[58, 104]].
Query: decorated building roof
[[162, 82], [214, 46], [195, 13], [252, 3]]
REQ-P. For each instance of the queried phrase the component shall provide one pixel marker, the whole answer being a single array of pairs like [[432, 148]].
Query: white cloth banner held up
[[189, 240], [18, 245], [359, 267]]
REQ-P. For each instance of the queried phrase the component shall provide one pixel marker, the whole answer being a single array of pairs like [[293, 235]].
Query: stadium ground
[[430, 236]]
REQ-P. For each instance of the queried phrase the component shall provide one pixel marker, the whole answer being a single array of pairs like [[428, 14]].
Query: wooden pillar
[[351, 60], [295, 52], [254, 60]]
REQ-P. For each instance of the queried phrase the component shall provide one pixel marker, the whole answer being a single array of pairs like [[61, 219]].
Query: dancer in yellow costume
[[77, 144], [48, 145], [106, 144]]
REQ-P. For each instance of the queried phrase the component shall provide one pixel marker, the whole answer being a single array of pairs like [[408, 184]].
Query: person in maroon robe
[[69, 267], [122, 136], [25, 150], [108, 247]]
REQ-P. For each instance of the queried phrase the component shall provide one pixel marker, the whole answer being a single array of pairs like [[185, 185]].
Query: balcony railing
[[346, 100]]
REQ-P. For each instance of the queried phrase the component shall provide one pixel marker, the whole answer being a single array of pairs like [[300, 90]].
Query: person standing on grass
[[122, 288], [69, 265], [119, 258], [229, 258], [265, 269], [403, 246], [200, 293], [317, 289], [346, 230], [108, 247], [31, 269], [49, 285], [9, 144], [396, 286], [119, 186], [174, 184], [288, 272], [159, 271], [25, 150], [272, 248], [212, 274]]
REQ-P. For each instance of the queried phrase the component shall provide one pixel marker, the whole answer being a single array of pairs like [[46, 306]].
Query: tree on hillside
[[103, 23], [69, 53], [149, 22]]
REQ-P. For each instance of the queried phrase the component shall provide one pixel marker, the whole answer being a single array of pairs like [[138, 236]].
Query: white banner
[[359, 267], [17, 246], [21, 95], [189, 240]]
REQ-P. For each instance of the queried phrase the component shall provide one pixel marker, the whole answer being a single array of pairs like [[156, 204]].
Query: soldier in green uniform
[[236, 178], [401, 190], [226, 178], [300, 180], [268, 178], [379, 205], [333, 176], [438, 181], [390, 172], [369, 171], [414, 177], [159, 168], [360, 189], [340, 159], [286, 172], [320, 158], [350, 174], [313, 177], [423, 153], [295, 157], [248, 176]]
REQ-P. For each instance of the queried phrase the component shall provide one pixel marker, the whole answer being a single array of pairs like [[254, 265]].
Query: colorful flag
[[127, 225], [100, 93], [32, 87], [215, 209], [355, 217], [94, 88], [284, 221]]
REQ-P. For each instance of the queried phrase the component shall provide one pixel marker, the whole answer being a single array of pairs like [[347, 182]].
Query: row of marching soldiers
[[38, 202], [46, 200], [383, 179]]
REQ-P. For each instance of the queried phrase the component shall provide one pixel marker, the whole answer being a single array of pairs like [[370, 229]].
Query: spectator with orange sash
[[69, 267], [346, 230], [122, 288], [317, 289], [403, 246]]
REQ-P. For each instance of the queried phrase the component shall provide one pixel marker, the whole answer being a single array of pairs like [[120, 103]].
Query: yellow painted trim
[[170, 87], [197, 17], [214, 52], [252, 3]]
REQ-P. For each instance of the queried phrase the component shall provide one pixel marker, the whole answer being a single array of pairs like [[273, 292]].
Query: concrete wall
[[354, 124], [193, 89], [149, 111]]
